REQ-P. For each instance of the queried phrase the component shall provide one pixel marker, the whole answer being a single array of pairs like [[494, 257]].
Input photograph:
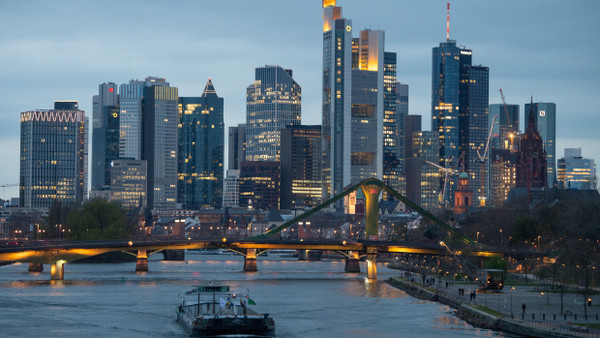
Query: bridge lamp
[[130, 243], [344, 243], [224, 239]]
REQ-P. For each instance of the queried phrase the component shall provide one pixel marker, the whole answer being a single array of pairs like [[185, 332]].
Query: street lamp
[[501, 238], [511, 308], [539, 242], [477, 240]]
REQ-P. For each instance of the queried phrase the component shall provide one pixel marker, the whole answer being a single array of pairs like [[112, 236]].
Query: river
[[306, 299]]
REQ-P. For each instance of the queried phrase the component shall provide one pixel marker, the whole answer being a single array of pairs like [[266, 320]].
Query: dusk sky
[[58, 50]]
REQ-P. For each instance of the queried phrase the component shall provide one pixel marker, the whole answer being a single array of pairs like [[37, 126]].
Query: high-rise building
[[53, 156], [506, 127], [337, 90], [128, 183], [200, 155], [367, 109], [545, 122], [402, 113], [473, 130], [105, 134], [426, 148], [353, 102], [273, 101], [576, 172], [503, 174], [130, 121], [231, 188], [301, 184], [460, 113], [160, 120], [259, 185], [393, 145], [237, 146], [412, 168]]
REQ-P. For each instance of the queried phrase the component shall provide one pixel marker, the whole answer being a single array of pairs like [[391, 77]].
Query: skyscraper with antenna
[[459, 110]]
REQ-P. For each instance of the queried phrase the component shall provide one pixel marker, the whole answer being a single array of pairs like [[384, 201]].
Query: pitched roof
[[209, 88]]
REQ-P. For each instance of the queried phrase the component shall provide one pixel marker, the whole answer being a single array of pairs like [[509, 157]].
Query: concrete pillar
[[36, 267], [57, 270], [372, 210], [250, 261], [314, 255], [302, 255], [141, 264], [352, 262], [174, 255], [372, 263]]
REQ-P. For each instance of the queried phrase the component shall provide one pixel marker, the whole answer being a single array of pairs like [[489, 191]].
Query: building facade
[[353, 102], [200, 151], [105, 134], [130, 120], [53, 165], [128, 183], [576, 172], [460, 113], [393, 121], [506, 127], [273, 101], [231, 189], [237, 146], [503, 174], [160, 124], [301, 184], [545, 122], [426, 148], [259, 185]]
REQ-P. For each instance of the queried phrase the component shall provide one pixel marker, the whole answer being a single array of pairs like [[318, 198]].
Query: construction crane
[[447, 172], [487, 144], [508, 120], [505, 107]]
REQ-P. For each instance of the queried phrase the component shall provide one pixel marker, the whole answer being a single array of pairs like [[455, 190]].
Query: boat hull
[[206, 327]]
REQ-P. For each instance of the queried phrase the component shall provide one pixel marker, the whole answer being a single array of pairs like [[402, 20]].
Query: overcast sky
[[56, 50]]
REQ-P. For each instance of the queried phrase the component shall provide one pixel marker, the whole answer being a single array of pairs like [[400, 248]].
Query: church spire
[[209, 89], [531, 118]]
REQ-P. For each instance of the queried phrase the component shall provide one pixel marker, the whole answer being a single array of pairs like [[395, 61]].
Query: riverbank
[[484, 317]]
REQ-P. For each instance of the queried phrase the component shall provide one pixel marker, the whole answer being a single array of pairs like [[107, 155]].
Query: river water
[[306, 299]]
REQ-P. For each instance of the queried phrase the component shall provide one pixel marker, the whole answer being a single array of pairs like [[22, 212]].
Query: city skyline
[[548, 51]]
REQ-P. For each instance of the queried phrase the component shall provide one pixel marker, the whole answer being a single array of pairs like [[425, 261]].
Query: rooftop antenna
[[448, 23]]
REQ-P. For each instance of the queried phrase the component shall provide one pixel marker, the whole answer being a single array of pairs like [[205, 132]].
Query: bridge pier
[[57, 270], [372, 263], [141, 264], [36, 267], [250, 261], [352, 262]]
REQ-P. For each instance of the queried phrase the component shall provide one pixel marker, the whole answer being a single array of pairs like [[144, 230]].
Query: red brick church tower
[[463, 197], [531, 162]]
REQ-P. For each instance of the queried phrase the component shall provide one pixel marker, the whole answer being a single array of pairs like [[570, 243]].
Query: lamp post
[[539, 242], [501, 246], [477, 240], [511, 308]]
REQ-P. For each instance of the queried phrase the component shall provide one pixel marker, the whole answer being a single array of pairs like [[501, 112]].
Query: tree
[[97, 219]]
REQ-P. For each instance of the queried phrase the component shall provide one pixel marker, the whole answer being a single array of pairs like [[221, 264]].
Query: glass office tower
[[53, 156], [273, 101], [200, 150]]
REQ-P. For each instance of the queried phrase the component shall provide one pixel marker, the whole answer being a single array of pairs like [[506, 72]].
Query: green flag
[[250, 301]]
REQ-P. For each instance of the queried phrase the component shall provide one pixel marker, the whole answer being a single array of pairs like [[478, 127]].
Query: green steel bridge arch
[[371, 188]]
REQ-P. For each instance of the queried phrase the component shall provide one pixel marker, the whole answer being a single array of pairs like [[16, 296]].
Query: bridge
[[59, 253]]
